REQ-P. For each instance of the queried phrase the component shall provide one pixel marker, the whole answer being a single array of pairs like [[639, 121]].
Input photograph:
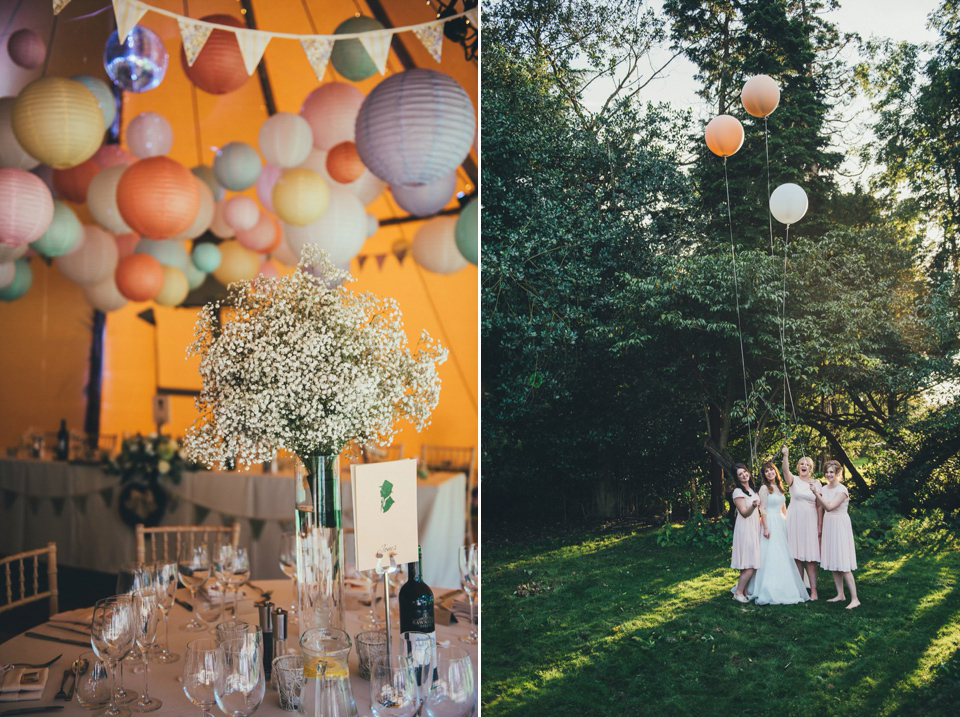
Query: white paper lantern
[[93, 260], [367, 188], [415, 127], [435, 246], [104, 295], [102, 199], [241, 213], [788, 203], [204, 214], [7, 273], [149, 135], [331, 111], [11, 153], [10, 254], [285, 140], [341, 230], [373, 225], [427, 199]]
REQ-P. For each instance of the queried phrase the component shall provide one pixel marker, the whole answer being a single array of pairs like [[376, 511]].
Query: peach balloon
[[158, 197], [344, 164], [724, 135], [241, 213], [104, 295], [139, 277], [760, 96], [262, 237], [94, 259], [127, 244]]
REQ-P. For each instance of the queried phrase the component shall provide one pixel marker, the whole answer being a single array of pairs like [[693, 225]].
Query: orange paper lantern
[[139, 277], [760, 96], [158, 197], [724, 135], [219, 68], [72, 184], [344, 164]]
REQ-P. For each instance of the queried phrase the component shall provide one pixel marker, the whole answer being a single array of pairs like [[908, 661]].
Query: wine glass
[[165, 584], [468, 581], [371, 581], [393, 687], [146, 613], [288, 562], [112, 634], [454, 691], [130, 578], [239, 575], [193, 565], [240, 687], [202, 664]]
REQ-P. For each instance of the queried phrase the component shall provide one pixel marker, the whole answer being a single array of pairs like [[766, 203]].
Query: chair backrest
[[454, 458], [377, 454], [165, 541], [28, 562]]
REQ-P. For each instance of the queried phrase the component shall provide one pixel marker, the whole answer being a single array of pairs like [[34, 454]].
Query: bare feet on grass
[[853, 603], [838, 598]]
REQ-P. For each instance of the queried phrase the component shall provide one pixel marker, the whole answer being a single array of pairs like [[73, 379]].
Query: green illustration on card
[[386, 496]]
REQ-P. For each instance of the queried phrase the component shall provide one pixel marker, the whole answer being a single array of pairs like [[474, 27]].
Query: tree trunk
[[843, 457]]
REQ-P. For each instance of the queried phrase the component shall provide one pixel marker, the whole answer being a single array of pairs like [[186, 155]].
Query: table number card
[[384, 511]]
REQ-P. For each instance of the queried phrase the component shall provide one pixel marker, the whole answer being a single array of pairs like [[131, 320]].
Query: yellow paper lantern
[[300, 196], [236, 263], [58, 121], [175, 287]]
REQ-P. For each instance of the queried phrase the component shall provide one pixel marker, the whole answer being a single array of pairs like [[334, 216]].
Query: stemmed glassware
[[393, 687], [454, 691], [146, 613], [130, 578], [165, 584], [372, 581], [202, 664], [112, 634], [232, 568], [288, 562], [240, 686], [468, 581], [193, 565]]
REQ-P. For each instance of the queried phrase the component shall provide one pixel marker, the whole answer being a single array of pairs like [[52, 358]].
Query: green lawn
[[608, 623]]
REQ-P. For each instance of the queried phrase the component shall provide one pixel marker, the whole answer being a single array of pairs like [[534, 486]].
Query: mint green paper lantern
[[169, 252], [105, 98], [195, 277], [22, 281], [467, 231], [206, 257], [349, 57], [237, 166], [63, 234]]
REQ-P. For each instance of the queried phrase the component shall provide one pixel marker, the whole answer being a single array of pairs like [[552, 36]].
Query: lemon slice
[[335, 668]]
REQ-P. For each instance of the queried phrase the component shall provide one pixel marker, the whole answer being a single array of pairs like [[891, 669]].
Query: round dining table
[[165, 680]]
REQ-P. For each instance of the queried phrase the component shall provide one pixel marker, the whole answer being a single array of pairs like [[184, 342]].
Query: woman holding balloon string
[[804, 518]]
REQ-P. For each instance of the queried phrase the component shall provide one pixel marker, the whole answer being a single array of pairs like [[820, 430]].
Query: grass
[[605, 622]]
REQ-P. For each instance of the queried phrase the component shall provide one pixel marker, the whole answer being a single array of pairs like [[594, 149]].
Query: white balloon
[[367, 188], [104, 295], [373, 225], [7, 273], [102, 199], [93, 260], [788, 203], [149, 135], [285, 140], [435, 246], [426, 199], [341, 230]]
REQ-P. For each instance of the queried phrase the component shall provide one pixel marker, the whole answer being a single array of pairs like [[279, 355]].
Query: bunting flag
[[361, 260], [474, 17], [380, 259], [34, 503], [432, 38], [58, 5], [252, 46], [318, 52], [128, 14], [9, 498], [58, 504], [400, 249], [256, 527], [377, 45], [200, 514], [107, 495], [194, 35]]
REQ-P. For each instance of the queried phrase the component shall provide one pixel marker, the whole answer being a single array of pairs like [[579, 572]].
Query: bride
[[777, 581]]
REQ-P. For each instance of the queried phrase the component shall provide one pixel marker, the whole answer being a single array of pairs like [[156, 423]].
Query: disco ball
[[138, 64]]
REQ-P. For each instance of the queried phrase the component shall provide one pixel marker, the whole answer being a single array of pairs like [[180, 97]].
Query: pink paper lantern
[[331, 111], [26, 207], [27, 49], [261, 236], [241, 213], [268, 179]]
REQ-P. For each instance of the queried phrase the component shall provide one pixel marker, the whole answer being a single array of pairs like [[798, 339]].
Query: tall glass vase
[[319, 542]]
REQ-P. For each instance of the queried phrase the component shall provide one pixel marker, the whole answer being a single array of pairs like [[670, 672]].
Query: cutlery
[[79, 667], [184, 605], [265, 594], [82, 623], [40, 636], [31, 710], [45, 664], [62, 694], [75, 630]]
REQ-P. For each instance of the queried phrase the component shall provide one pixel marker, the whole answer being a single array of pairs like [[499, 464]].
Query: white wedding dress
[[777, 580]]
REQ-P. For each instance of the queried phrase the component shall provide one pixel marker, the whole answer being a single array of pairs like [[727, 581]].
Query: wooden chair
[[377, 454], [160, 539], [22, 560], [454, 458]]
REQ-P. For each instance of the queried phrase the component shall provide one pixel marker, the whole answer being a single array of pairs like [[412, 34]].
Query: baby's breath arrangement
[[301, 363]]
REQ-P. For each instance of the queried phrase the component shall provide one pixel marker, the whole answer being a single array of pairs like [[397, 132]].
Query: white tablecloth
[[76, 507]]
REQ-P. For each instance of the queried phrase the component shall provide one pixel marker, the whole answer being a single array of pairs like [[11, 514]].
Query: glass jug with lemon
[[326, 678]]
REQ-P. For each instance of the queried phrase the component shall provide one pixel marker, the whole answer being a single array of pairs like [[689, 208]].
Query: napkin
[[461, 610], [23, 683], [84, 615]]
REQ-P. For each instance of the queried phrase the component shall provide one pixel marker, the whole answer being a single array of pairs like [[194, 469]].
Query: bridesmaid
[[838, 554], [746, 532], [804, 518]]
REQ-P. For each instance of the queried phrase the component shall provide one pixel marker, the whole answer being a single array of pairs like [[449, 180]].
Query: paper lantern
[[63, 235], [467, 231], [73, 184], [8, 272], [12, 155], [58, 121], [300, 196], [175, 287], [27, 49], [205, 173], [435, 248], [219, 226], [331, 111], [219, 68], [127, 243], [149, 135], [158, 197], [415, 127], [341, 230], [427, 199], [105, 98], [195, 277], [237, 166], [367, 189], [268, 270], [343, 163], [788, 203], [169, 252], [237, 264], [12, 253], [262, 236], [26, 207], [760, 96], [285, 139], [139, 63], [349, 57], [206, 257], [283, 253], [265, 184], [241, 213], [724, 135], [102, 200], [22, 281], [104, 295], [204, 216], [93, 260], [373, 225], [139, 277]]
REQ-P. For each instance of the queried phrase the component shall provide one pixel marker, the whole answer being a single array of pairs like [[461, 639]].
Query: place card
[[384, 511]]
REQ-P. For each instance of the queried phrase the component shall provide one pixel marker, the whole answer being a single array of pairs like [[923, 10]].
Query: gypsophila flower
[[301, 363]]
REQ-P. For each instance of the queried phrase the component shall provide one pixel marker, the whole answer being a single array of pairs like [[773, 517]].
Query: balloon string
[[783, 334], [46, 59], [736, 289], [766, 146]]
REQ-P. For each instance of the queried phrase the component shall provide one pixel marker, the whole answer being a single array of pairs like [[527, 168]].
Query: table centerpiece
[[144, 464], [304, 364]]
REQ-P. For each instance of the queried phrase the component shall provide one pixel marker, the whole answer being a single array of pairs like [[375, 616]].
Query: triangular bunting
[[128, 14], [58, 504], [226, 520], [9, 498], [58, 5], [377, 45], [432, 38], [474, 17], [200, 514], [318, 52], [81, 502], [107, 495], [194, 36], [361, 260], [256, 527], [400, 249], [252, 43], [34, 503], [380, 259]]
